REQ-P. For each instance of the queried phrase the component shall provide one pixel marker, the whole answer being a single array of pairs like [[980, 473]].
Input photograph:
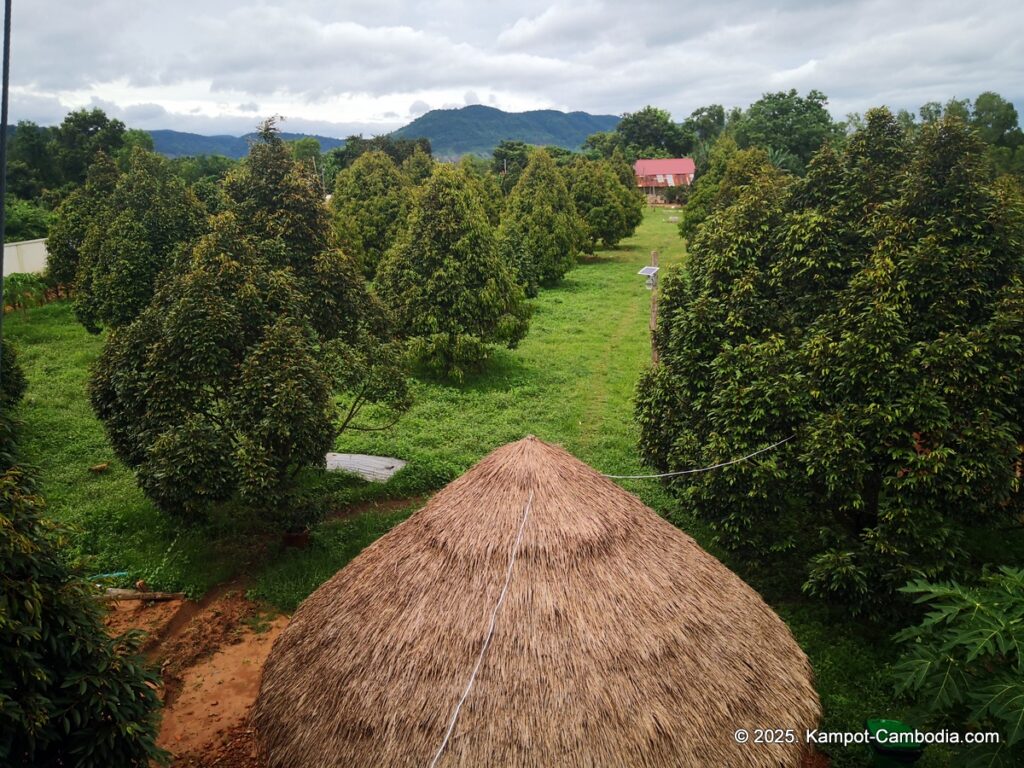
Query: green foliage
[[509, 161], [650, 132], [371, 201], [25, 220], [13, 384], [610, 210], [69, 693], [794, 126], [306, 150], [225, 384], [275, 198], [79, 138], [23, 290], [451, 292], [72, 219], [963, 663], [729, 170], [540, 233], [398, 149], [873, 309], [130, 240], [418, 166]]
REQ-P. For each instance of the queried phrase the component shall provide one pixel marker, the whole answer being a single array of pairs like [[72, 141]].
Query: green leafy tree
[[452, 294], [540, 232], [418, 166], [510, 159], [398, 149], [729, 169], [30, 161], [131, 241], [706, 123], [273, 197], [74, 216], [963, 664], [374, 195], [25, 220], [69, 693], [877, 318], [307, 150], [650, 132], [794, 126], [252, 355], [610, 211], [80, 137], [622, 168], [225, 385]]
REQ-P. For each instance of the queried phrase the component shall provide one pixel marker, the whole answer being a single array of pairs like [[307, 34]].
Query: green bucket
[[889, 753]]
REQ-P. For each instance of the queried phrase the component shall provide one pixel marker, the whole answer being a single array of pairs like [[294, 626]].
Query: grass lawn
[[571, 381]]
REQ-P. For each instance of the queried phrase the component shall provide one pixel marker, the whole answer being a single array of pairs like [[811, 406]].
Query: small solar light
[[651, 273]]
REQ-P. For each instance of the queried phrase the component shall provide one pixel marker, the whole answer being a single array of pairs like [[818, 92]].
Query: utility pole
[[3, 165], [654, 308]]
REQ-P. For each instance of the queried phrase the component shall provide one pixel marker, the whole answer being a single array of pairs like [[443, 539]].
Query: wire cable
[[701, 469], [490, 632]]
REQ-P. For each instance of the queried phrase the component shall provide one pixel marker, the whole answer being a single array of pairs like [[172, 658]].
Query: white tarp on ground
[[25, 256], [377, 469]]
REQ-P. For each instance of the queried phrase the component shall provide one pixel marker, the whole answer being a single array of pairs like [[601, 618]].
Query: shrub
[[69, 694], [451, 293], [963, 663]]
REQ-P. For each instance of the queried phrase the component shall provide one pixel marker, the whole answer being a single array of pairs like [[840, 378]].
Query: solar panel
[[648, 271]]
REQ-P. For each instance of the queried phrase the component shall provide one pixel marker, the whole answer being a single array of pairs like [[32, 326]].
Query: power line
[[701, 469]]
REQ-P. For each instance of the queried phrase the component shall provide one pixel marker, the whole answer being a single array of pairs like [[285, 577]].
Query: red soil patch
[[211, 655]]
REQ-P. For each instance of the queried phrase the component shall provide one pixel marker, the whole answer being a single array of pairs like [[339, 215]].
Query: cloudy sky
[[341, 66]]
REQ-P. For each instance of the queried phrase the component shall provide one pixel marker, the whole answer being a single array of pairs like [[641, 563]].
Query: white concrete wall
[[26, 256]]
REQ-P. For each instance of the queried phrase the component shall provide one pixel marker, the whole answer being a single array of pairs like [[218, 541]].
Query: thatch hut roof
[[620, 641]]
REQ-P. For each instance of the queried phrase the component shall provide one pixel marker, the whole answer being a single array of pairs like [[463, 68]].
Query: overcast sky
[[341, 66]]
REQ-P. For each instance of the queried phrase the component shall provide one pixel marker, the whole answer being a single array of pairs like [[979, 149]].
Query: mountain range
[[478, 129], [475, 129], [182, 144]]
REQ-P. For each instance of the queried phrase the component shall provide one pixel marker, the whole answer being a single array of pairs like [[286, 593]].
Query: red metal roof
[[664, 166]]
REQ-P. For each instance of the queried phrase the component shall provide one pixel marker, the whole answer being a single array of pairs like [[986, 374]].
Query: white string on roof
[[490, 631], [701, 469]]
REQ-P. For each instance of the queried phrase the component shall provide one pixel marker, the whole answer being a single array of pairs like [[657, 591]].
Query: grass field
[[571, 381]]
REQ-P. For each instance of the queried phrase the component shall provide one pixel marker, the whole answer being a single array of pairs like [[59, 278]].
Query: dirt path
[[211, 654]]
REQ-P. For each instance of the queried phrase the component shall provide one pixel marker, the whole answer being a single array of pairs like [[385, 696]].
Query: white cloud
[[218, 65]]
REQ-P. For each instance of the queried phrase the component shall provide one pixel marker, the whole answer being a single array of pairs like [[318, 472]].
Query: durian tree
[[452, 294], [874, 310], [371, 201], [541, 232]]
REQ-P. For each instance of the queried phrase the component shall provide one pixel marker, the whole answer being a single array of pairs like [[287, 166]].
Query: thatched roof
[[620, 642]]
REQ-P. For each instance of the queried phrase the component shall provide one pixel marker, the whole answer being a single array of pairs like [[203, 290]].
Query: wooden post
[[654, 308]]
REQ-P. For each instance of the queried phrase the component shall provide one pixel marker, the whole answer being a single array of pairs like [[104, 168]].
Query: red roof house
[[653, 176]]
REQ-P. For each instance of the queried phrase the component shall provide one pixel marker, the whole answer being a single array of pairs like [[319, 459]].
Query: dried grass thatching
[[620, 643]]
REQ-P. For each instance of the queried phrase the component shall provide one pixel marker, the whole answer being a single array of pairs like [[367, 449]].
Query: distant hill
[[181, 144], [478, 129]]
